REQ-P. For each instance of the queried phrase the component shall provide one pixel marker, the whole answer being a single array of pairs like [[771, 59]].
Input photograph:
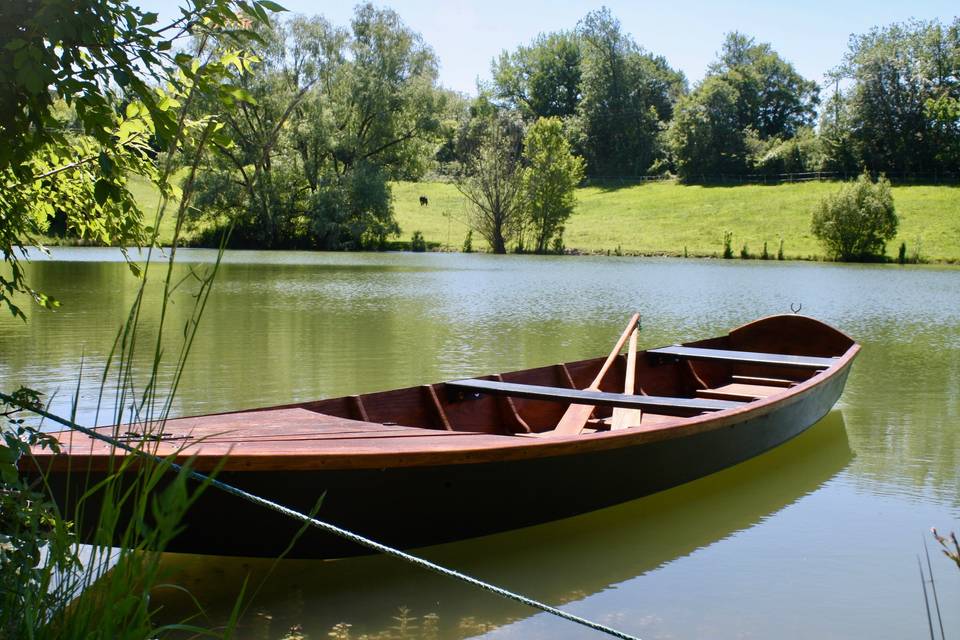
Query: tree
[[339, 114], [492, 184], [773, 98], [542, 79], [89, 91], [704, 137], [627, 95], [550, 177], [903, 76], [856, 222]]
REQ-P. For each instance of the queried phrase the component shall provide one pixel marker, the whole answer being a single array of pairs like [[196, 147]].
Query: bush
[[417, 243], [856, 222], [727, 245], [468, 242]]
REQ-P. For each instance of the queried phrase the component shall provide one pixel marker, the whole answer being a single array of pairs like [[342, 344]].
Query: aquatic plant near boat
[[949, 546]]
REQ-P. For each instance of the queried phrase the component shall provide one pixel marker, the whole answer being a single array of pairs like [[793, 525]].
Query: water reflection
[[558, 562], [288, 326]]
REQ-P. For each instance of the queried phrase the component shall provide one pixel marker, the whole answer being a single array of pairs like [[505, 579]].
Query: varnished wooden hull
[[478, 489]]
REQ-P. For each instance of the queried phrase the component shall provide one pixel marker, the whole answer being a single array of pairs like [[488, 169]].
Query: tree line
[[319, 119], [892, 104], [337, 113]]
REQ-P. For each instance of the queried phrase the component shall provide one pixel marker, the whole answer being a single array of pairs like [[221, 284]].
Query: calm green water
[[817, 539]]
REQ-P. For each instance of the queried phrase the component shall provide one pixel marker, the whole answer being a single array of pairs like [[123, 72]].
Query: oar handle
[[631, 325]]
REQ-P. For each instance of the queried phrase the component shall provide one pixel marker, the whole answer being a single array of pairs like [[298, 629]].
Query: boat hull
[[413, 506]]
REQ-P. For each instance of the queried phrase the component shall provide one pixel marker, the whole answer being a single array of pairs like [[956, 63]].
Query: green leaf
[[106, 164], [101, 191], [272, 6], [240, 94], [122, 77]]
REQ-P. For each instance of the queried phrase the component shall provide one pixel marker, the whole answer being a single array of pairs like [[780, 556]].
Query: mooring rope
[[326, 526]]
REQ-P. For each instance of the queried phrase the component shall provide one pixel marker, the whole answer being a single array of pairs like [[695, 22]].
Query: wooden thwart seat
[[739, 391], [750, 357], [594, 398]]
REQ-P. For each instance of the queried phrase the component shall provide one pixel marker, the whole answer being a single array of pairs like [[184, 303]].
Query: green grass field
[[666, 218]]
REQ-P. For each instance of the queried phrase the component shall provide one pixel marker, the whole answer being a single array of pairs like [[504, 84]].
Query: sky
[[467, 34]]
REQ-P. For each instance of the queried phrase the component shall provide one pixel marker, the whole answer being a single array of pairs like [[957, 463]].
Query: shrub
[[745, 252], [764, 255], [780, 250], [856, 222], [417, 243], [468, 242], [727, 245]]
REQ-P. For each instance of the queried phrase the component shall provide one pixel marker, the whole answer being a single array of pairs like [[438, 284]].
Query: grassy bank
[[665, 218]]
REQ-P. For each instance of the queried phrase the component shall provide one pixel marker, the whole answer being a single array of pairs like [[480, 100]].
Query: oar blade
[[625, 418], [574, 419]]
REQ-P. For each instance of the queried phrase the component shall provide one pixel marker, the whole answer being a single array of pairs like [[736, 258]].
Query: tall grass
[[51, 586]]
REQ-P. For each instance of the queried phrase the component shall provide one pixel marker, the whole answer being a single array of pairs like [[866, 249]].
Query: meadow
[[666, 218]]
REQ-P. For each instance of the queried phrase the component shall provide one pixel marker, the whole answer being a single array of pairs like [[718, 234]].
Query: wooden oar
[[577, 415], [623, 417]]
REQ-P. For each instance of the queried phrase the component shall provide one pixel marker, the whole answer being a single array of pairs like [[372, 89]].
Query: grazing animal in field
[[423, 201]]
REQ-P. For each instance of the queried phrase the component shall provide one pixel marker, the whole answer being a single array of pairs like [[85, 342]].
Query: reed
[[727, 245], [51, 586]]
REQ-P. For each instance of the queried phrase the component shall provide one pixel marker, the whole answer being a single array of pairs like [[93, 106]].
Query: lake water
[[816, 539]]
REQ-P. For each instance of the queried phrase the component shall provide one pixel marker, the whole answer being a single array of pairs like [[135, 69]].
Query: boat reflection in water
[[558, 562]]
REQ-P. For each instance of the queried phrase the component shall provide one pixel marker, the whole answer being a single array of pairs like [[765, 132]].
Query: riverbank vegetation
[[667, 218], [99, 108], [340, 117]]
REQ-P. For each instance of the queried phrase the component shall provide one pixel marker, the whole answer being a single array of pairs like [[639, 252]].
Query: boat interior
[[637, 390], [647, 390]]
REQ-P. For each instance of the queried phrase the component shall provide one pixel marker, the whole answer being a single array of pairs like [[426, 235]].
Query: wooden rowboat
[[442, 462]]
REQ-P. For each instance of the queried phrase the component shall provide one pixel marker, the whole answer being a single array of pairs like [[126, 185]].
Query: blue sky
[[468, 34]]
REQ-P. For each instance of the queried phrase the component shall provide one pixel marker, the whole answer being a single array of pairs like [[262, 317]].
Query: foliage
[[752, 112], [550, 177], [468, 242], [417, 243], [492, 183], [92, 94], [89, 91], [542, 79], [801, 153], [773, 99], [31, 534], [704, 138], [627, 96], [901, 113], [727, 245], [338, 114], [856, 222]]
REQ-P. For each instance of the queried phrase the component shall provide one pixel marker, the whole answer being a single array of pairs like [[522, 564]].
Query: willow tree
[[339, 113]]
